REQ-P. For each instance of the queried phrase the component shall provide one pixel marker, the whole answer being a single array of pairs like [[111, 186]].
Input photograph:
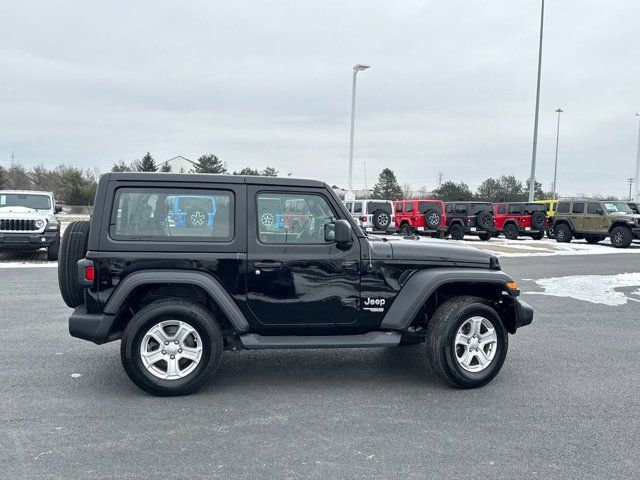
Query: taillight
[[86, 273], [363, 219], [176, 218], [90, 273]]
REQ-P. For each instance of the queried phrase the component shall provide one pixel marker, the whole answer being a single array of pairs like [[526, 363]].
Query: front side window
[[163, 214], [34, 201], [592, 208], [276, 226]]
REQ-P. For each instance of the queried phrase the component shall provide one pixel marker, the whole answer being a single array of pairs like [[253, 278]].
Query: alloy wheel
[[475, 344]]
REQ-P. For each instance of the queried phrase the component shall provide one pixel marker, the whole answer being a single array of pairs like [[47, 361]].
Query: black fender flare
[[422, 284], [185, 277], [565, 221], [456, 221]]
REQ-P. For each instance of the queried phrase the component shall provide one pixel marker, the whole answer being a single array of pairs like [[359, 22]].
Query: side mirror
[[58, 208], [599, 211], [339, 232]]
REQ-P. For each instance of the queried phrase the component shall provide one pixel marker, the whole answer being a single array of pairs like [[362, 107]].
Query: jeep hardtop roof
[[158, 177], [26, 192]]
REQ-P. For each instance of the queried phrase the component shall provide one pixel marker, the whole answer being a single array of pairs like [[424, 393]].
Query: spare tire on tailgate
[[484, 220], [538, 219], [432, 218], [381, 219], [73, 247]]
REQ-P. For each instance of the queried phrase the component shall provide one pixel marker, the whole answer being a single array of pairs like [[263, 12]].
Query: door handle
[[267, 265]]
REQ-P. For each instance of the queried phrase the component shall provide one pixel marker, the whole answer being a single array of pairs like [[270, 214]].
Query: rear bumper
[[27, 240], [90, 326]]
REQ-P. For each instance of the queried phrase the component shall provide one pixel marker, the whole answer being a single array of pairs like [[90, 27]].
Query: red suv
[[420, 216], [519, 218]]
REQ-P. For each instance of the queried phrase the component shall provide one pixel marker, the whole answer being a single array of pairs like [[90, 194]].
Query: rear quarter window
[[578, 208], [172, 215], [563, 207]]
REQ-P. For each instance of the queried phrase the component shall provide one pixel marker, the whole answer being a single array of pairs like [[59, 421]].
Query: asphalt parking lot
[[564, 406]]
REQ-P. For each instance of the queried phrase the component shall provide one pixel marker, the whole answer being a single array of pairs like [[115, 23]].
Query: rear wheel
[[406, 230], [537, 235], [73, 247], [457, 233], [621, 237], [466, 342], [171, 347], [510, 231], [563, 233], [485, 236]]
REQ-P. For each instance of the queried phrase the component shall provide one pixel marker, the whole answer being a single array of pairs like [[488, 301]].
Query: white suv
[[28, 221], [373, 215]]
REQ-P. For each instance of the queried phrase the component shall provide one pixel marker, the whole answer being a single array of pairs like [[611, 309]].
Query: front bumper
[[636, 232], [91, 326], [515, 313], [27, 240]]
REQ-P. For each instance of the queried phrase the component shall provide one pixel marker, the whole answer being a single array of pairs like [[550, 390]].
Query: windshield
[[613, 207], [37, 202]]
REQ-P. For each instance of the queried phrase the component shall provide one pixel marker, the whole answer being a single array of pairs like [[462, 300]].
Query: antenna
[[13, 157], [630, 181]]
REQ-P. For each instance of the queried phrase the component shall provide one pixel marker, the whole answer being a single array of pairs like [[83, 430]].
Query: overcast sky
[[451, 87]]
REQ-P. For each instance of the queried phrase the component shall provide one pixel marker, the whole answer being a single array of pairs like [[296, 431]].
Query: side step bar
[[253, 341]]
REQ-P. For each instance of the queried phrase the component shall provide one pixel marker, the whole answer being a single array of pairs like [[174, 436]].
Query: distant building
[[179, 164]]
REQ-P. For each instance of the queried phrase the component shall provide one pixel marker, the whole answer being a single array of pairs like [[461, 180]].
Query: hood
[[22, 212], [432, 250]]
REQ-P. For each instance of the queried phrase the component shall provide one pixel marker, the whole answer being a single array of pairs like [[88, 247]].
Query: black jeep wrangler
[[470, 218], [177, 293]]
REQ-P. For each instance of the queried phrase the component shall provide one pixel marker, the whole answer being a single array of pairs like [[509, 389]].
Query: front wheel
[[621, 237], [466, 342], [537, 235], [171, 347], [485, 237]]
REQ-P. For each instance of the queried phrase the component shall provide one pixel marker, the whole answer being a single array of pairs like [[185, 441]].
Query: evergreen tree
[[247, 171], [269, 172], [3, 177], [147, 164], [538, 193], [210, 164], [387, 187], [121, 167], [452, 191], [165, 167]]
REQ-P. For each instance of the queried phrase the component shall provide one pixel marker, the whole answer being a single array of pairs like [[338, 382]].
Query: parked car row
[[564, 220]]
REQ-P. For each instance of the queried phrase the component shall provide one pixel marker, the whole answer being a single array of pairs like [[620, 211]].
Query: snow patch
[[599, 289]]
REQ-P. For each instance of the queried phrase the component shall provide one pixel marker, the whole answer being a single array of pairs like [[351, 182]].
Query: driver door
[[295, 276]]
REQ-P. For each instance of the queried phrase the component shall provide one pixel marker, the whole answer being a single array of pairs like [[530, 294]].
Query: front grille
[[17, 225]]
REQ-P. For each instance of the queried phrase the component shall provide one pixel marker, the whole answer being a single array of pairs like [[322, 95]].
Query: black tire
[[593, 239], [381, 220], [551, 233], [457, 232], [537, 235], [538, 220], [621, 237], [53, 250], [406, 230], [73, 247], [432, 219], [563, 233], [485, 237], [441, 348], [484, 220], [510, 231], [197, 317]]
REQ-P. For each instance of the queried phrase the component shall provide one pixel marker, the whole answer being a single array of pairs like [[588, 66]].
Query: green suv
[[595, 220]]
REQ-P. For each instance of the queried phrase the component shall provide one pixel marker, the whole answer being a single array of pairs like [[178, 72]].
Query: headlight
[[39, 224]]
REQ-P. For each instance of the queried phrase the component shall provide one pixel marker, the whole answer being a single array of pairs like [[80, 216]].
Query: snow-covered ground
[[527, 247], [602, 289]]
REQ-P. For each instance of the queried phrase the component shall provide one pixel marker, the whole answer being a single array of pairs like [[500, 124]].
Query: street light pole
[[637, 197], [555, 170], [532, 178], [356, 68], [630, 181]]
